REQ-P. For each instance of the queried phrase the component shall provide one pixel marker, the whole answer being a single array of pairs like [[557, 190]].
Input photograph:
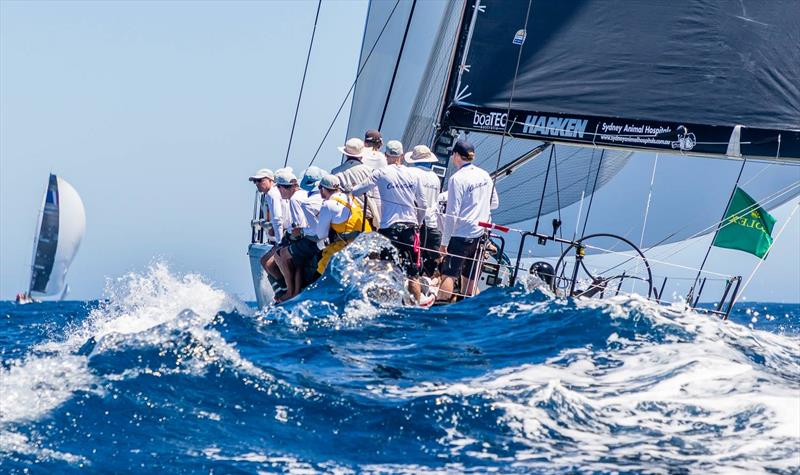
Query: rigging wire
[[352, 86], [397, 64], [647, 210], [511, 97], [302, 83], [594, 188], [777, 236], [711, 244], [687, 242]]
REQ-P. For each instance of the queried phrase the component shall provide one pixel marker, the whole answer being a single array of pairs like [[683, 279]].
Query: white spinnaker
[[71, 228]]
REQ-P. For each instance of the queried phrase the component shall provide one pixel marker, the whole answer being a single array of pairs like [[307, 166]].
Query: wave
[[345, 379]]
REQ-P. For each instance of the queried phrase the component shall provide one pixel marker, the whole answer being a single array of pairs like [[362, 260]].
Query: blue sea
[[169, 374]]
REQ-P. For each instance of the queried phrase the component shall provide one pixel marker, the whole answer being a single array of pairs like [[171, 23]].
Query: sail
[[392, 74], [669, 76], [59, 231]]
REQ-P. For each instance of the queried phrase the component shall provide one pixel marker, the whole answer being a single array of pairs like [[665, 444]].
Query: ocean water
[[169, 374]]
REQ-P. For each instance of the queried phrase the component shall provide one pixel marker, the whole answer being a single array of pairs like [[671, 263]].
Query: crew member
[[400, 193], [421, 160], [340, 220], [373, 141], [272, 206], [353, 172], [470, 198], [291, 257]]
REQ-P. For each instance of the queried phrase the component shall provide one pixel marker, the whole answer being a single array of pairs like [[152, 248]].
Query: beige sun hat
[[354, 147], [421, 154]]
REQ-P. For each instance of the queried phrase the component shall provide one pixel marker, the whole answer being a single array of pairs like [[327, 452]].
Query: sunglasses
[[285, 186]]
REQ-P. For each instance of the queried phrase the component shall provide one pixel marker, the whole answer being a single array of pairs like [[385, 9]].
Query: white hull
[[261, 285]]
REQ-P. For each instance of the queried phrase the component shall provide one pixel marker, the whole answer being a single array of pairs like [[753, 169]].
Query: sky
[[157, 112]]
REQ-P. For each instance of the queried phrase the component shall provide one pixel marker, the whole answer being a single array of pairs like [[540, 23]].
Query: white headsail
[[59, 231]]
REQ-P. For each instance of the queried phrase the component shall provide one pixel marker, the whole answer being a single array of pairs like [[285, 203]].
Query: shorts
[[402, 237], [302, 250], [461, 257], [431, 240]]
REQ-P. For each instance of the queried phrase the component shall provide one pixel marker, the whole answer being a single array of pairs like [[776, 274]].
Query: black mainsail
[[646, 74]]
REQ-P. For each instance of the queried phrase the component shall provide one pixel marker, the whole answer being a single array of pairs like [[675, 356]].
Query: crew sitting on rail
[[471, 196], [353, 172], [400, 192], [298, 260], [341, 220], [421, 160], [272, 210]]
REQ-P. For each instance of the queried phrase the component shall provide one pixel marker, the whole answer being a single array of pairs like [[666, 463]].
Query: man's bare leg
[[414, 288], [445, 288], [283, 260]]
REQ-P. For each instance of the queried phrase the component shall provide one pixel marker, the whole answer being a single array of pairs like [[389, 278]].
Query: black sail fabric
[[631, 72], [47, 239]]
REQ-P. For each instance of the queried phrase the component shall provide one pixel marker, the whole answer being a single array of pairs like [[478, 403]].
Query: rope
[[352, 86], [303, 83]]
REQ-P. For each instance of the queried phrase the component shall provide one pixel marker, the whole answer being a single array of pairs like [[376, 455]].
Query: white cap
[[262, 173]]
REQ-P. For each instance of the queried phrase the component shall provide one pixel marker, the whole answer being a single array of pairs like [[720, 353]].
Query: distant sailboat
[[59, 231]]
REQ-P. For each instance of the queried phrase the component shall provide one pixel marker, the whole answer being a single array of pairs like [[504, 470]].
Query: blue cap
[[312, 177], [465, 149]]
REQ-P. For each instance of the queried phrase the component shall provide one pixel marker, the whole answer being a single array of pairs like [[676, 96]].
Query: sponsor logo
[[393, 186], [519, 37], [554, 126], [490, 120], [686, 140], [475, 186]]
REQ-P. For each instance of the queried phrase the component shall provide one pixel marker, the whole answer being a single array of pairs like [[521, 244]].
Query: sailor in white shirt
[[302, 249], [353, 172], [271, 202], [401, 196], [341, 220], [420, 160], [272, 206], [373, 141], [471, 196]]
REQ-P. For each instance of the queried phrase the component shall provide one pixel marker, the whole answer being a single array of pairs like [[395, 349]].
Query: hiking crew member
[[271, 203], [340, 220], [353, 172], [302, 249], [273, 209], [400, 192], [470, 198], [373, 141], [421, 160]]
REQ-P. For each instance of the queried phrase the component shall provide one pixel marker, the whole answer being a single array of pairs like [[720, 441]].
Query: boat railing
[[257, 229]]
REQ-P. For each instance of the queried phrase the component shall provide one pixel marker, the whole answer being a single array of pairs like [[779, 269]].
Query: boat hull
[[261, 285]]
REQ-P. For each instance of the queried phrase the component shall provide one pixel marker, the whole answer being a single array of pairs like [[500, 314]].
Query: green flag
[[747, 226]]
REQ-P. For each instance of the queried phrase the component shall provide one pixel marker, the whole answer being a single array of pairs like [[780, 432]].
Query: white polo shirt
[[331, 212], [400, 191], [470, 198], [273, 206], [431, 186]]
